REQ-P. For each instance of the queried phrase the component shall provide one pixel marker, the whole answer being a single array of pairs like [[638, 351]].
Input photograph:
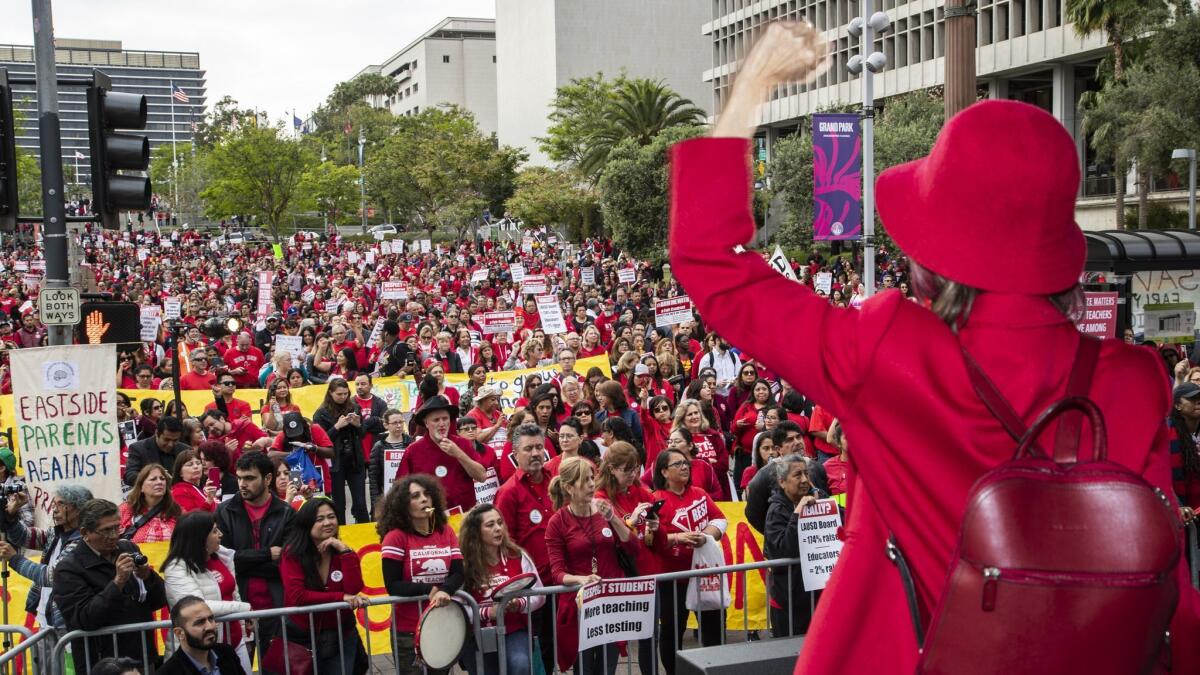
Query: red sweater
[[345, 578]]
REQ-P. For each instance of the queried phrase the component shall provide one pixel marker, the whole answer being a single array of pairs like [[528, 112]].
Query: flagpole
[[174, 156]]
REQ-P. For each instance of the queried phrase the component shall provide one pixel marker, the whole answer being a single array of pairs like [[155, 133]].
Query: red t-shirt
[[237, 408], [258, 594], [227, 584], [691, 511], [425, 457], [425, 560], [195, 382], [526, 508], [502, 571], [252, 360], [364, 407]]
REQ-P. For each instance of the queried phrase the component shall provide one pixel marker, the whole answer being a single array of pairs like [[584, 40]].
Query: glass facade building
[[139, 72]]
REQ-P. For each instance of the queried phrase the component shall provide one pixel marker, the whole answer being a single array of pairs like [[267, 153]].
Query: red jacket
[[893, 373], [526, 508]]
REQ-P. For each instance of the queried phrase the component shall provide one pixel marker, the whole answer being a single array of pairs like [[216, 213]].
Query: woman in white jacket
[[198, 565]]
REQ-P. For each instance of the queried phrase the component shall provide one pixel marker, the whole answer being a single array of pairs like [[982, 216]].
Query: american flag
[[178, 94]]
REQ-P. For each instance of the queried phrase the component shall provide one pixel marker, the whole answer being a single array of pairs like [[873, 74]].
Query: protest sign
[[517, 271], [1100, 317], [352, 257], [498, 322], [292, 344], [393, 290], [479, 275], [823, 282], [551, 314], [819, 543], [21, 266], [64, 399], [370, 257], [779, 263], [426, 245], [671, 311], [587, 275], [485, 491], [151, 320], [308, 295], [385, 248], [616, 611], [266, 303], [172, 308], [534, 284], [376, 332], [627, 275]]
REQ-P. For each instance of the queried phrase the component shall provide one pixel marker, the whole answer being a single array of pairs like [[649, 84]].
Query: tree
[[331, 189], [434, 169], [226, 117], [254, 171], [1121, 20], [592, 116], [499, 179], [633, 192], [791, 176], [545, 196]]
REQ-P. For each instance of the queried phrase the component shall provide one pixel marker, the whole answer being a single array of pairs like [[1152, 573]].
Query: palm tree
[[1121, 20], [639, 110]]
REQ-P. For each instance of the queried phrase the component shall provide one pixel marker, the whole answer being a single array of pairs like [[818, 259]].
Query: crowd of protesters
[[594, 476]]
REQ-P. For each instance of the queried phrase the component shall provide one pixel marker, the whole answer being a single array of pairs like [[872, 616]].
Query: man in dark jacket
[[99, 585], [781, 541], [200, 651], [395, 358], [789, 438], [161, 448], [252, 523]]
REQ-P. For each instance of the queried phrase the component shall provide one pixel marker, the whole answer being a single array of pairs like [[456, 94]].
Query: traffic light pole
[[54, 223]]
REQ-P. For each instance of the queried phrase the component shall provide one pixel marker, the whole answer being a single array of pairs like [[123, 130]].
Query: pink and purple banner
[[837, 176]]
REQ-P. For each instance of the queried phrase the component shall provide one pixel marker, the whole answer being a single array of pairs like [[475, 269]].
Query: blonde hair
[[620, 455], [626, 363], [681, 413], [573, 471]]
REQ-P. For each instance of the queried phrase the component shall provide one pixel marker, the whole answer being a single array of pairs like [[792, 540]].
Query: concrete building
[[544, 44], [1025, 51], [452, 63], [139, 72]]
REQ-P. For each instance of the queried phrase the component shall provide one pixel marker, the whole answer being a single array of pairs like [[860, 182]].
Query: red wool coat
[[893, 374]]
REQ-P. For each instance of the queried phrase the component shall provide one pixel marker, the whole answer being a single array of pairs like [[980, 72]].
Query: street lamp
[[362, 181], [1190, 155], [868, 66]]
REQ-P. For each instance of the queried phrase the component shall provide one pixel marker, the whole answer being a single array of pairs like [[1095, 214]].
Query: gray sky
[[275, 55]]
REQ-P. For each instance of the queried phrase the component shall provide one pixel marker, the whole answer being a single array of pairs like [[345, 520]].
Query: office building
[[544, 44], [1025, 51], [452, 63], [135, 71]]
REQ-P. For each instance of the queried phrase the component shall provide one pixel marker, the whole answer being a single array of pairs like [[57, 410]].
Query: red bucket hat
[[993, 204]]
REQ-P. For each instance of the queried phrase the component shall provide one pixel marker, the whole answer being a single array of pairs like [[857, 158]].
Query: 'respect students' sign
[[616, 611], [65, 402]]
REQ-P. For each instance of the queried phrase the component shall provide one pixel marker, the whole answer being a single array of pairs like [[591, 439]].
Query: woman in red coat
[[892, 372], [749, 420]]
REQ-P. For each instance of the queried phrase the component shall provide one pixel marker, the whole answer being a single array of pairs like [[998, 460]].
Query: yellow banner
[[748, 601]]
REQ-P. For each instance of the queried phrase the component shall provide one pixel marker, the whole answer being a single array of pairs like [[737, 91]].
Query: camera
[[10, 488], [140, 559]]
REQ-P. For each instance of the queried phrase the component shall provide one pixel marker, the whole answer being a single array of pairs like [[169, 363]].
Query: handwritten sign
[[426, 245], [151, 320], [479, 276], [671, 311], [819, 543], [551, 314], [172, 308], [292, 344], [616, 611], [497, 322], [64, 399]]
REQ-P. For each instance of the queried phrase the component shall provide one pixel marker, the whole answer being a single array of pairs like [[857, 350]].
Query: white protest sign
[[352, 257], [479, 276], [172, 308], [142, 254], [308, 295], [551, 315], [292, 344], [21, 266], [616, 611], [627, 275], [370, 257], [497, 322], [588, 276], [819, 543], [376, 332], [426, 245], [485, 491], [391, 459], [151, 320], [534, 284], [780, 262], [393, 290], [823, 282], [64, 400], [378, 236], [671, 311], [385, 248], [517, 270]]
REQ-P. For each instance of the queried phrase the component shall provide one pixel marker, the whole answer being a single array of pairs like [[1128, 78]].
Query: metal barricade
[[1193, 553], [550, 614], [257, 617], [21, 650]]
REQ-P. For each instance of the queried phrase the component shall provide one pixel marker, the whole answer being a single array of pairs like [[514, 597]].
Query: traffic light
[[114, 151], [109, 323], [9, 207]]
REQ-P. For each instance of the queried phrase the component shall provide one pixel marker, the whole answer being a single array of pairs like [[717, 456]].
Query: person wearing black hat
[[395, 356], [442, 453], [265, 339], [297, 432]]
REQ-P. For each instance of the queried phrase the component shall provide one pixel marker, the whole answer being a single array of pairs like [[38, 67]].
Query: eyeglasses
[[110, 531], [678, 465], [662, 408], [583, 413]]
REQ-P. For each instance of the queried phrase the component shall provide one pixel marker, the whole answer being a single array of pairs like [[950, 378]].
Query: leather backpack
[[1063, 564]]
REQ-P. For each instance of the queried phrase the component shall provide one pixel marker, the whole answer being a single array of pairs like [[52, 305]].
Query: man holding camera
[[105, 582], [56, 544]]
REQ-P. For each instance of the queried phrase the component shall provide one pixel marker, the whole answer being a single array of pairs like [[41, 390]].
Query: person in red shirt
[[189, 489], [709, 446], [238, 435], [524, 501], [444, 454], [234, 408], [582, 539], [244, 360], [688, 518], [198, 378], [837, 469], [420, 554], [317, 568]]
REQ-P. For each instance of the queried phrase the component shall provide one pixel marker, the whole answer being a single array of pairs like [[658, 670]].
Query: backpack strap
[[1066, 440]]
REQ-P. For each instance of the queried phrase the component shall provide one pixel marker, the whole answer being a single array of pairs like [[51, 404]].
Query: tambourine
[[441, 634], [515, 584]]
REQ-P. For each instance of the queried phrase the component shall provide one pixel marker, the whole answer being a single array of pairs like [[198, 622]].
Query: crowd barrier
[[16, 659]]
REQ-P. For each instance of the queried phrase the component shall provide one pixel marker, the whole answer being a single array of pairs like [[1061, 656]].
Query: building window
[[416, 109], [445, 58], [416, 87], [493, 58]]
